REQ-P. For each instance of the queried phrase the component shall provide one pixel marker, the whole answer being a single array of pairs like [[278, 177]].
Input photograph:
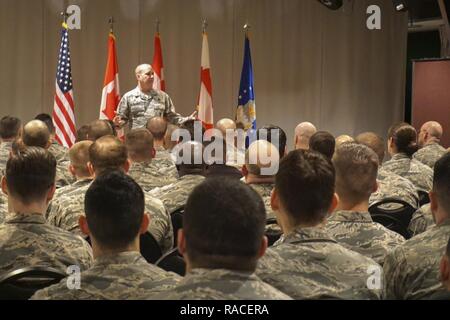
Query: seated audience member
[[143, 169], [82, 133], [221, 255], [445, 276], [324, 143], [390, 185], [26, 240], [217, 166], [10, 130], [344, 138], [235, 155], [402, 144], [36, 134], [59, 151], [429, 138], [158, 128], [411, 270], [304, 132], [351, 224], [115, 218], [175, 195], [256, 163], [421, 220], [274, 135], [98, 129], [307, 263], [107, 154]]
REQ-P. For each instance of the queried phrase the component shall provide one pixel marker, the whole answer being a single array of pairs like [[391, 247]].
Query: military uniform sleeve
[[395, 268], [123, 110], [160, 223], [169, 112]]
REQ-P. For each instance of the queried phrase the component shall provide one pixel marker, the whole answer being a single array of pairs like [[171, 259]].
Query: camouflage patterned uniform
[[157, 173], [416, 172], [429, 154], [309, 264], [221, 284], [162, 153], [26, 240], [5, 149], [357, 231], [391, 185], [137, 107], [265, 190], [175, 195], [412, 269], [421, 220], [61, 153], [124, 276], [67, 209], [63, 175]]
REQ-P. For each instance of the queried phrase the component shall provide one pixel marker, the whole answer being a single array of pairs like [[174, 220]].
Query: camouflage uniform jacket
[[429, 154], [421, 220], [222, 284], [391, 185], [61, 153], [412, 269], [416, 172], [26, 240], [265, 190], [175, 195], [309, 264], [67, 209], [357, 231], [162, 153], [124, 276], [5, 149], [137, 108], [157, 173]]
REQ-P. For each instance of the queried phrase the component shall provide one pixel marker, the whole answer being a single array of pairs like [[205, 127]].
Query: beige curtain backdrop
[[310, 63]]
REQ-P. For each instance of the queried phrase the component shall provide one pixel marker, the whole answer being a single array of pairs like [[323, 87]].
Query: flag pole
[[111, 24]]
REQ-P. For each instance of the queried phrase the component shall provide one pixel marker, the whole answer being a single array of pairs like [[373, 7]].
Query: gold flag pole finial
[[204, 25]]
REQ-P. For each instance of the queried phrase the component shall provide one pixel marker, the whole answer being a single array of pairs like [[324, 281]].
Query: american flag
[[63, 108]]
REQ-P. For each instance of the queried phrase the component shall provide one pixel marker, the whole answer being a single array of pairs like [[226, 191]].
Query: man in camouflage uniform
[[421, 220], [144, 170], [36, 134], [411, 270], [115, 218], [26, 240], [144, 102], [307, 263], [303, 132], [429, 137], [351, 224], [175, 195], [401, 163], [60, 152], [106, 154], [221, 255], [390, 185], [10, 129]]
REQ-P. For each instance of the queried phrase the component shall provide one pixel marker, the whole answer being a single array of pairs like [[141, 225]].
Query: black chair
[[272, 235], [424, 198], [172, 261], [177, 223], [394, 219], [22, 283], [150, 248]]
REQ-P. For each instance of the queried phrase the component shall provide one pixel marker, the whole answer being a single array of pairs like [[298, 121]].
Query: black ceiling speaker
[[400, 5], [331, 4]]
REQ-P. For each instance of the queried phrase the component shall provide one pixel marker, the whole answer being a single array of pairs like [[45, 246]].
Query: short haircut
[[9, 127], [305, 185], [47, 119], [404, 137], [82, 133], [30, 173], [356, 168], [139, 143], [98, 129], [79, 157], [441, 181], [114, 206], [157, 127], [224, 224], [323, 142], [107, 153], [36, 134], [374, 142], [270, 132]]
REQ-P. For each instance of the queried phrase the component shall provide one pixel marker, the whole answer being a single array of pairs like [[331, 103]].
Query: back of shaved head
[[79, 157], [157, 127], [107, 153], [303, 132], [225, 124], [344, 138], [434, 129], [36, 134], [374, 142]]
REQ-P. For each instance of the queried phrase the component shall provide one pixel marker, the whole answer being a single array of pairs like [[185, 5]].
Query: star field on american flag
[[64, 73]]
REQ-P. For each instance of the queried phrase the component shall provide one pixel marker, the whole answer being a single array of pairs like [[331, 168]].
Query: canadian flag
[[111, 91], [205, 105], [158, 83]]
